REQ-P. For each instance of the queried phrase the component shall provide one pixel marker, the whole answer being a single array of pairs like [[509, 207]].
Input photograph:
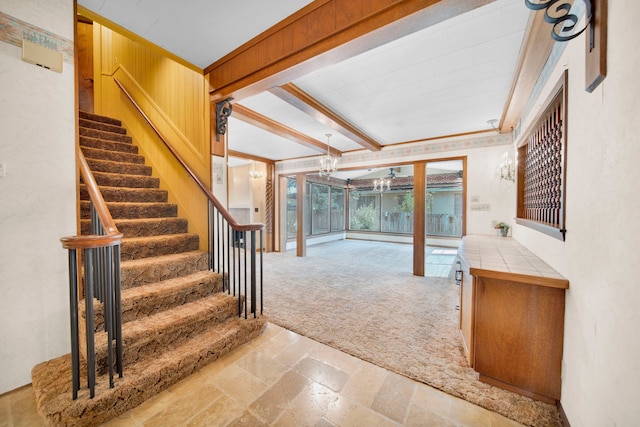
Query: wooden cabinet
[[512, 316]]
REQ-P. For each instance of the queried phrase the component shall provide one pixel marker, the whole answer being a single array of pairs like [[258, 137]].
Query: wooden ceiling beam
[[298, 98], [256, 119], [247, 156], [322, 33]]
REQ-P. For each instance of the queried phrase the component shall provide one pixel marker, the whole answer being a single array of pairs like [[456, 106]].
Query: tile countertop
[[505, 258]]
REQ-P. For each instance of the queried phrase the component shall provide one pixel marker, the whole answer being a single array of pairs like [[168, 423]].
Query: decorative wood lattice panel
[[544, 170]]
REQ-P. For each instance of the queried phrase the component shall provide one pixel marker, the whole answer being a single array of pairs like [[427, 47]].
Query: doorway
[[84, 44]]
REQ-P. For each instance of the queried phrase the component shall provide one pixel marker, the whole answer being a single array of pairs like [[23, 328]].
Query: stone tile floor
[[285, 379]]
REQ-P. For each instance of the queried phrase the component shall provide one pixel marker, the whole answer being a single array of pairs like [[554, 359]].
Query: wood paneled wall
[[175, 98]]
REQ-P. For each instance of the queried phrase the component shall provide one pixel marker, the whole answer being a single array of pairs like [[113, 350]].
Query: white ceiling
[[198, 31], [448, 79]]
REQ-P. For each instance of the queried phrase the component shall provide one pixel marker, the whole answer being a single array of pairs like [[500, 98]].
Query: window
[[292, 205], [397, 211], [319, 209], [364, 211], [542, 167], [337, 209]]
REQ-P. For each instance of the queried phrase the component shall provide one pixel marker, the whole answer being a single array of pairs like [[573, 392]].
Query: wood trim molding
[[326, 32], [256, 119], [533, 56], [242, 155], [304, 102]]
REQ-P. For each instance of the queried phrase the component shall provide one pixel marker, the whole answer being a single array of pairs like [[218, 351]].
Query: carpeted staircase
[[176, 319]]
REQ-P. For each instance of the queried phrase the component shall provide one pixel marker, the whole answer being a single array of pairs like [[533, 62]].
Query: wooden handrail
[[225, 214], [112, 236]]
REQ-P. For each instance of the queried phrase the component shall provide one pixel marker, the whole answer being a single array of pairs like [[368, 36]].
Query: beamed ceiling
[[450, 78]]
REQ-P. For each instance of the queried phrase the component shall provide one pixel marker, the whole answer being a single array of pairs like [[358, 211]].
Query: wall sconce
[[223, 111], [507, 168]]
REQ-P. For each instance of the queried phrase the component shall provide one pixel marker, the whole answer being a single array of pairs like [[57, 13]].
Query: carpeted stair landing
[[176, 319]]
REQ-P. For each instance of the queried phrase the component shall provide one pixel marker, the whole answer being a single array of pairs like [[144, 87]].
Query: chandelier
[[384, 184], [507, 168], [253, 172], [328, 163]]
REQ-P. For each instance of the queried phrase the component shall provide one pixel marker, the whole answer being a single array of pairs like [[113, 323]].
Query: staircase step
[[130, 181], [97, 125], [141, 381], [99, 118], [145, 226], [149, 246], [151, 335], [101, 144], [121, 210], [143, 271], [98, 165], [146, 300], [155, 297], [108, 136], [125, 194]]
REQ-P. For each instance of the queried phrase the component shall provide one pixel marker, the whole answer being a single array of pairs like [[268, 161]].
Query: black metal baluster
[[118, 308], [244, 239], [253, 273], [88, 304], [209, 236], [75, 335], [261, 270], [107, 264]]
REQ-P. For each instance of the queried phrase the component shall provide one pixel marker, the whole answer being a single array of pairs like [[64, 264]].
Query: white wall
[[485, 186], [240, 194], [37, 197], [601, 366]]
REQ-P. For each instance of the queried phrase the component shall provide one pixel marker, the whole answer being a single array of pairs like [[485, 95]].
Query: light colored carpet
[[361, 298]]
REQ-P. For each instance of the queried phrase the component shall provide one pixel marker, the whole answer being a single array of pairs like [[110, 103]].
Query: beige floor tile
[[219, 413], [422, 417], [394, 396], [343, 361], [278, 397], [5, 409], [263, 366], [322, 373], [364, 383], [239, 384], [309, 408], [295, 351], [450, 407], [23, 407], [498, 420], [347, 413], [247, 420], [144, 411], [184, 406], [270, 330]]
